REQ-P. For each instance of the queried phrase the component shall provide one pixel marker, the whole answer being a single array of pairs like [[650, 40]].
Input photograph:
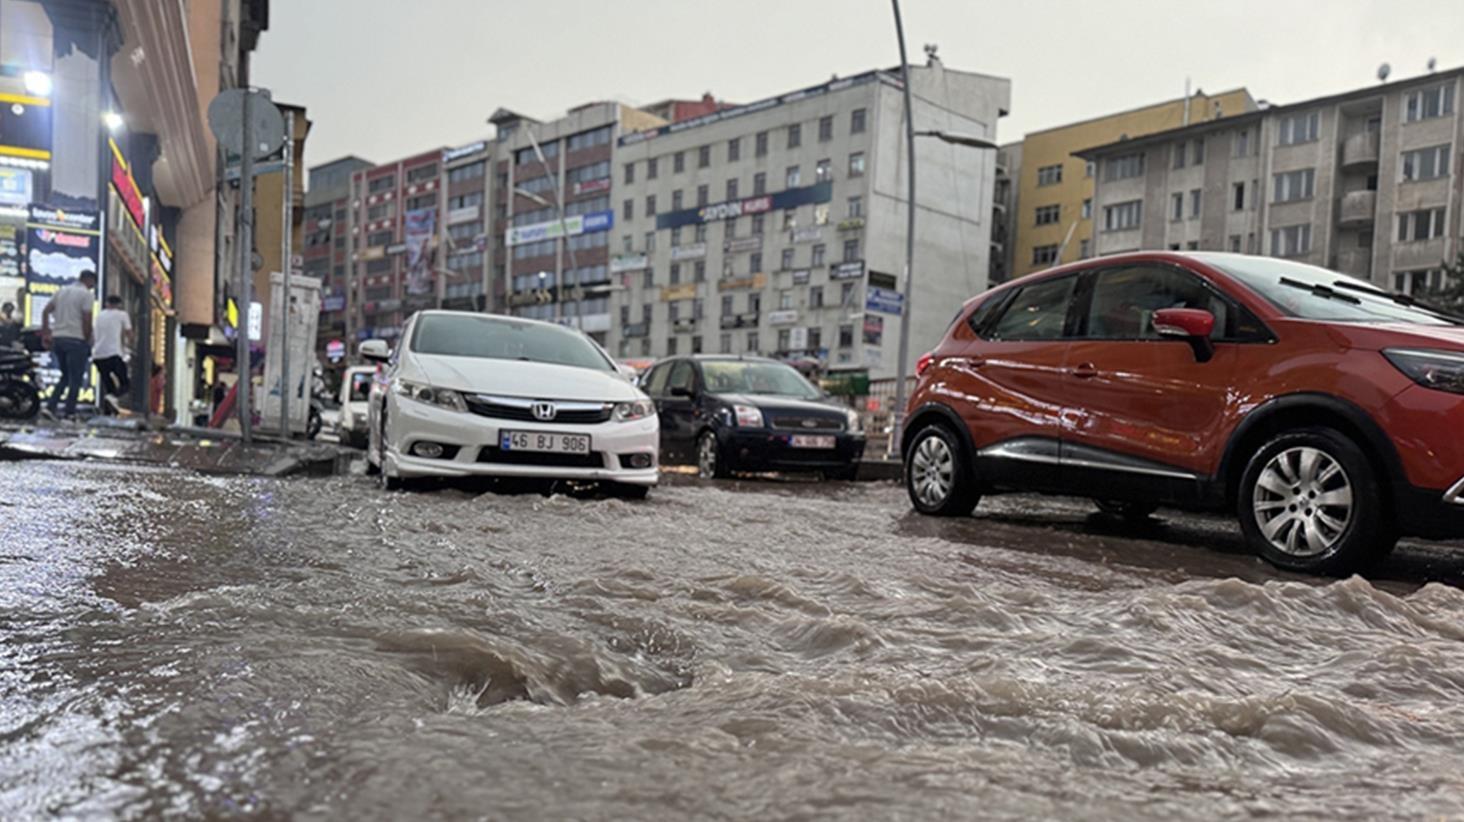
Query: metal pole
[[286, 387], [246, 268], [350, 283], [439, 257], [898, 412], [563, 230]]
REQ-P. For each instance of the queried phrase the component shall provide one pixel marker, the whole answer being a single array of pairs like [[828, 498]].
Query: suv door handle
[[1085, 371]]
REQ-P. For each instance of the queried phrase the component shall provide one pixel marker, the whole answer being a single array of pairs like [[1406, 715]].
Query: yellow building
[[269, 206], [1052, 220]]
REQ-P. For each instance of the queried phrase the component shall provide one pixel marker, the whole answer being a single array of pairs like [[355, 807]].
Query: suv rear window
[[1037, 312]]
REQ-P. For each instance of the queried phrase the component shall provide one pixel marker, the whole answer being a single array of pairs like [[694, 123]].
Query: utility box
[[298, 333]]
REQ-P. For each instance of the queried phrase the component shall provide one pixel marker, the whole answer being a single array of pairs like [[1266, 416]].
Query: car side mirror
[[680, 391], [375, 351], [1193, 325]]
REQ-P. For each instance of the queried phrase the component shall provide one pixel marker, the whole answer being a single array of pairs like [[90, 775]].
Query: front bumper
[[769, 450], [473, 445], [1432, 513]]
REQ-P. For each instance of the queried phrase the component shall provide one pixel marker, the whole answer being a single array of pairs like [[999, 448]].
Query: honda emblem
[[545, 411]]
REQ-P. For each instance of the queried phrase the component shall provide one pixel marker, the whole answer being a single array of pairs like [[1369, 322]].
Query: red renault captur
[[1323, 410]]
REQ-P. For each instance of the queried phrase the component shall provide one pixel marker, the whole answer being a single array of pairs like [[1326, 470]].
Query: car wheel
[[388, 482], [628, 491], [709, 459], [1129, 511], [936, 477], [313, 424], [1309, 501]]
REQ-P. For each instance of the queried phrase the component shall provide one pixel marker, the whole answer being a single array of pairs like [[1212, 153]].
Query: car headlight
[[632, 411], [441, 397], [856, 422], [748, 416], [1440, 370]]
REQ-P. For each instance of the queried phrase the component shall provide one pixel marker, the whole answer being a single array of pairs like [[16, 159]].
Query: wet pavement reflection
[[178, 644]]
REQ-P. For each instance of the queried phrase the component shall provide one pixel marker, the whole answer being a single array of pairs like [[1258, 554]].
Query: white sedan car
[[482, 395]]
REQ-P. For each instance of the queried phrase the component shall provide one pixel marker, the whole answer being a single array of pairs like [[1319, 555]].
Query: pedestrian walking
[[113, 339], [66, 327], [9, 326]]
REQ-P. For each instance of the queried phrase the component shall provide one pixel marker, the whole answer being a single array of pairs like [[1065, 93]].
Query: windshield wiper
[[1321, 290], [1401, 299]]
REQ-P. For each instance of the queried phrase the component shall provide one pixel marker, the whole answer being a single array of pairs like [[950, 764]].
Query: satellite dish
[[1432, 63], [1383, 71]]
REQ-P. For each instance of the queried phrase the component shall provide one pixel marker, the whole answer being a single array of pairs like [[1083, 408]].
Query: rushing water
[[173, 644]]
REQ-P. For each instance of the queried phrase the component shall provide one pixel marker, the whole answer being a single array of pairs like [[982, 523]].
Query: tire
[[1127, 511], [390, 483], [846, 474], [711, 463], [313, 424], [361, 441], [938, 477], [1309, 501], [627, 491], [21, 400]]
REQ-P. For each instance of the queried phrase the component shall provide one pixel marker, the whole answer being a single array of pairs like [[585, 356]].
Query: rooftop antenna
[[1383, 71], [1433, 63]]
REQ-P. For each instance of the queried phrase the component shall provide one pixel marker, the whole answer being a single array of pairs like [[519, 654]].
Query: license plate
[[545, 443], [811, 441]]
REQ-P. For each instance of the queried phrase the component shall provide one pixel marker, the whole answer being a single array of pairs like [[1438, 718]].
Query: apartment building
[[778, 227], [1055, 189], [1365, 182], [393, 217], [1004, 204], [323, 246], [463, 235]]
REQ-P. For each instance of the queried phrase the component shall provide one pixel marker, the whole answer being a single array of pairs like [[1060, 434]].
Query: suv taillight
[[923, 363]]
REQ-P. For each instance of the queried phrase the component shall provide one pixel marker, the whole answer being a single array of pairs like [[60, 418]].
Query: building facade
[[1365, 182], [324, 230], [778, 227], [1004, 209], [1055, 189]]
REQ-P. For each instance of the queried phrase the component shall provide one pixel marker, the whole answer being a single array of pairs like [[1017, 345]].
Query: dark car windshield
[[742, 377], [360, 385], [1312, 293], [472, 335]]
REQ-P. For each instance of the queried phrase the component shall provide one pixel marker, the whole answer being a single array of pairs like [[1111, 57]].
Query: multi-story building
[[464, 233], [1366, 182], [1004, 206], [778, 227], [323, 247], [1055, 189]]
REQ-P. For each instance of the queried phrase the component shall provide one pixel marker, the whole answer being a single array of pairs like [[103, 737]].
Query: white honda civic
[[483, 395]]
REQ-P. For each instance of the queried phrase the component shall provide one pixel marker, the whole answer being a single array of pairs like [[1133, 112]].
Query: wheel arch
[[934, 412], [1309, 410]]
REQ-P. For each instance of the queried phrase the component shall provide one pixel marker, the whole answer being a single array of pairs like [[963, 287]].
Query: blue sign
[[599, 221], [786, 199], [334, 302], [884, 301]]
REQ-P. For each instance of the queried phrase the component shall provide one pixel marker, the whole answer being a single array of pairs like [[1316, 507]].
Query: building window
[[462, 174], [1291, 241], [1237, 196], [759, 184], [1425, 163], [856, 207], [1088, 208], [650, 241], [752, 342], [1085, 248], [701, 232], [1198, 146], [381, 211], [856, 164], [627, 242], [379, 238], [651, 169], [1089, 168], [727, 309], [792, 177], [629, 173], [815, 337], [1242, 143], [1123, 215], [856, 121], [421, 173], [678, 162], [1417, 283], [700, 271], [1180, 152], [1176, 206], [754, 262], [703, 193], [734, 149], [1049, 175], [782, 339], [1425, 104], [1291, 186], [760, 144], [815, 296], [1195, 196], [676, 200], [790, 219], [1048, 214], [1044, 254], [1425, 224], [754, 303], [795, 135], [1124, 167], [787, 259], [381, 184], [704, 157], [726, 344], [824, 171], [1298, 128], [851, 250], [627, 210], [846, 336], [1234, 244], [732, 189], [825, 128], [587, 139], [650, 205], [818, 255], [675, 237], [671, 345]]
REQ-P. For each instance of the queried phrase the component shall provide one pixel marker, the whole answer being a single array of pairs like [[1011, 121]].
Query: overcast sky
[[386, 78]]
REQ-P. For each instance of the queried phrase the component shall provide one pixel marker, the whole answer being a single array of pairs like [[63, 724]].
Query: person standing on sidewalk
[[113, 337], [9, 326], [66, 325]]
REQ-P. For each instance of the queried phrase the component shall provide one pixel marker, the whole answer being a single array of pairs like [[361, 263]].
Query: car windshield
[[493, 338], [360, 386], [1311, 293], [740, 377]]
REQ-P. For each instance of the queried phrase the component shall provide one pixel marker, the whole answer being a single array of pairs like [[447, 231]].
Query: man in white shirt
[[113, 337], [66, 325]]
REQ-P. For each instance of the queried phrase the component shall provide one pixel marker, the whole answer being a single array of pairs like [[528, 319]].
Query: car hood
[[1401, 335], [518, 378], [772, 402]]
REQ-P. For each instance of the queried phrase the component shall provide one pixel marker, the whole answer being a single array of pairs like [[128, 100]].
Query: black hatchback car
[[729, 414]]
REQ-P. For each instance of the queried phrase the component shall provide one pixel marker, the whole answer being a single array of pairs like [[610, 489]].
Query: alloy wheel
[[706, 456], [932, 471], [1303, 501]]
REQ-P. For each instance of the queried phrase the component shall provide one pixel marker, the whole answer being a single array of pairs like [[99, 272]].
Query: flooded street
[[177, 644]]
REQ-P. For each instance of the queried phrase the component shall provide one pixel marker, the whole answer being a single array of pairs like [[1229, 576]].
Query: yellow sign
[[753, 281], [685, 291]]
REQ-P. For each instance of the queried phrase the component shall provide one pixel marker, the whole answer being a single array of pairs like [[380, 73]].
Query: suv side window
[[1124, 300], [656, 380], [1037, 312], [682, 376]]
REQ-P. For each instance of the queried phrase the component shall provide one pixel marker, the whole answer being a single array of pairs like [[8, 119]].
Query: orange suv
[[1323, 410]]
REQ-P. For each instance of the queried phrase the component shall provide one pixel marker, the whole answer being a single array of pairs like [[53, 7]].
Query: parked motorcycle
[[20, 390]]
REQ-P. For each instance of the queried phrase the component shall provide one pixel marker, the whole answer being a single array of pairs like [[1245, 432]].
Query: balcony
[[1357, 208], [1356, 261], [1360, 149]]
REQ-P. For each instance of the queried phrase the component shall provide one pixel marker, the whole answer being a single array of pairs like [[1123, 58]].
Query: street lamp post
[[898, 415]]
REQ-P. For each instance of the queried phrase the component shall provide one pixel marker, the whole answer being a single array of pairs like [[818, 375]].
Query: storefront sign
[[395, 248], [375, 252], [785, 316], [743, 244], [16, 186], [10, 261], [256, 321], [753, 281], [333, 302], [335, 350], [462, 215], [25, 128], [851, 223], [791, 198], [685, 291], [162, 267], [591, 186], [807, 234], [846, 271], [628, 262], [694, 251], [873, 329], [62, 220], [798, 338], [573, 226], [884, 301], [800, 276], [450, 154], [59, 246], [126, 187]]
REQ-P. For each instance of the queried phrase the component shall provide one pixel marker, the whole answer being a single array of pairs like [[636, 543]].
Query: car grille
[[594, 459], [563, 417], [806, 423]]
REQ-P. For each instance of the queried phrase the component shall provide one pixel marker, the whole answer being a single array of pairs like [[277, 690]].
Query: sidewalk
[[203, 450]]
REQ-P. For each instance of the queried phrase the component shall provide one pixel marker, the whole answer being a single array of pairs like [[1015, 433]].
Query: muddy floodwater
[[172, 644]]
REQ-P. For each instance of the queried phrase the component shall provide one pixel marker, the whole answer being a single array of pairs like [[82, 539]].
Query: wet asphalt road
[[172, 644]]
